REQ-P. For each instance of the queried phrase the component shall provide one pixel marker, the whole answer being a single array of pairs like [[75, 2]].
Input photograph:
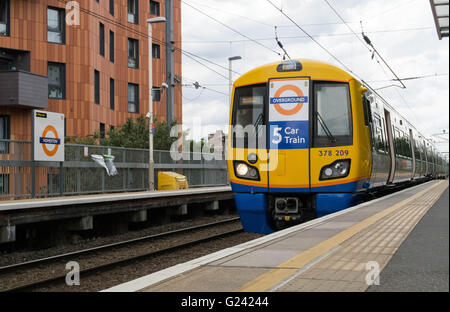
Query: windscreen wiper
[[325, 128]]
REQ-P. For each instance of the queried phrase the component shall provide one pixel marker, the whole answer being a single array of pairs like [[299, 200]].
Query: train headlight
[[244, 171], [338, 169]]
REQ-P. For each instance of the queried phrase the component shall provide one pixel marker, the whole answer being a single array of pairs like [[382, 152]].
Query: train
[[307, 139]]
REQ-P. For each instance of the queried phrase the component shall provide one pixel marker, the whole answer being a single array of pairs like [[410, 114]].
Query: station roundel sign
[[297, 108], [50, 152]]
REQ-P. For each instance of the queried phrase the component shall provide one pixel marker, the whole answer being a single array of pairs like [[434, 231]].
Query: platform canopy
[[440, 14]]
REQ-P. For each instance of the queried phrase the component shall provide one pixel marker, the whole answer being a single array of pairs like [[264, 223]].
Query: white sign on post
[[48, 136]]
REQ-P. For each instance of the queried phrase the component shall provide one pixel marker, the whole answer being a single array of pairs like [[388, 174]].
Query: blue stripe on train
[[349, 187]]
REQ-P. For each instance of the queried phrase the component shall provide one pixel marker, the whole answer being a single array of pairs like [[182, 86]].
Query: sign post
[[48, 142]]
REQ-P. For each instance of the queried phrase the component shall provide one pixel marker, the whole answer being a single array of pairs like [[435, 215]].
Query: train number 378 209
[[338, 153]]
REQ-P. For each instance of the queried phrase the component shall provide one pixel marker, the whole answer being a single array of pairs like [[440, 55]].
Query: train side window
[[378, 135], [407, 145], [398, 143], [367, 110], [416, 150]]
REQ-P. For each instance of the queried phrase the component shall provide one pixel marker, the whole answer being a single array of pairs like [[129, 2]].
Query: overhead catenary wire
[[319, 35], [348, 26], [311, 37], [230, 28], [414, 78]]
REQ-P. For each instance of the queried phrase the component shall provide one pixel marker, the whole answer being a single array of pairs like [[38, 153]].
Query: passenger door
[[288, 119]]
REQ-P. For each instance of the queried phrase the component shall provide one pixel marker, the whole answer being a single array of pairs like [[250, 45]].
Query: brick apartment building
[[96, 73]]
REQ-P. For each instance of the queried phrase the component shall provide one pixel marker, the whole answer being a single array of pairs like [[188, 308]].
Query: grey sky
[[402, 31]]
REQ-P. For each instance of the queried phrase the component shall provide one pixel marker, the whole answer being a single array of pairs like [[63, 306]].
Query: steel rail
[[112, 264]]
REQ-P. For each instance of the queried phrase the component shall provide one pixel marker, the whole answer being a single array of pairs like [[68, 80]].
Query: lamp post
[[151, 162], [231, 59]]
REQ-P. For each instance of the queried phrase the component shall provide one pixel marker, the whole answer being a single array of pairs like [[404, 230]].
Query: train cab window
[[248, 116], [332, 124]]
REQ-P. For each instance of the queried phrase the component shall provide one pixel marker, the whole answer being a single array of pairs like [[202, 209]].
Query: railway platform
[[346, 251], [79, 211]]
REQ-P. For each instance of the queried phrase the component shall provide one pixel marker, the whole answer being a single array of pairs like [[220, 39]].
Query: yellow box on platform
[[168, 180]]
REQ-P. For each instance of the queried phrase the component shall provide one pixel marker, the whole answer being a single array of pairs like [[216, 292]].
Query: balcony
[[21, 89]]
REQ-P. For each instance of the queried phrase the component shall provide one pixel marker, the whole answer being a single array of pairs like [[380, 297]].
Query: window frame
[[5, 187], [111, 46], [135, 45], [324, 141], [111, 7], [156, 94], [111, 94], [7, 21], [101, 37], [62, 67], [156, 48], [96, 87], [155, 4], [62, 24], [6, 130], [136, 98], [135, 14]]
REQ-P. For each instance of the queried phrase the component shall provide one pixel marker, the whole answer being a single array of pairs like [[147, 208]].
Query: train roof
[[317, 70]]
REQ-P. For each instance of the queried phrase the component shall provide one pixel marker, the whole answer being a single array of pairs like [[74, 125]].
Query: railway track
[[8, 274]]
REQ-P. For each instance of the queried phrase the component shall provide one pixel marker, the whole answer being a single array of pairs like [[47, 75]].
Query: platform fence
[[22, 178]]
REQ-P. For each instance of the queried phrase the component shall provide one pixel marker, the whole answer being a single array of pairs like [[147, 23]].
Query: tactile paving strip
[[353, 261]]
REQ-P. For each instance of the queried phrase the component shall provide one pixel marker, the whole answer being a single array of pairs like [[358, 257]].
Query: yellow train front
[[298, 146]]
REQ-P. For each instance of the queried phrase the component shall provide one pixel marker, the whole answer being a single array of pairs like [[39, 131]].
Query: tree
[[132, 134]]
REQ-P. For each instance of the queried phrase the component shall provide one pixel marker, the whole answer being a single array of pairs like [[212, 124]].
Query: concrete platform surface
[[104, 198], [344, 251]]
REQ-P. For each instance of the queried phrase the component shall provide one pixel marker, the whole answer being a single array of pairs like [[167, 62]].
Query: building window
[[111, 7], [56, 25], [156, 94], [133, 53], [4, 183], [156, 51], [111, 93], [154, 8], [56, 73], [96, 87], [4, 17], [102, 39], [111, 46], [133, 11], [133, 98], [102, 130], [4, 134]]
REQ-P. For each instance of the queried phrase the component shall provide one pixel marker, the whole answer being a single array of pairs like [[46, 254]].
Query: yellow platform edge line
[[288, 268]]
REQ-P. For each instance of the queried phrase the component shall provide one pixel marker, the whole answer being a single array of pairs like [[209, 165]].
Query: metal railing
[[22, 178]]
